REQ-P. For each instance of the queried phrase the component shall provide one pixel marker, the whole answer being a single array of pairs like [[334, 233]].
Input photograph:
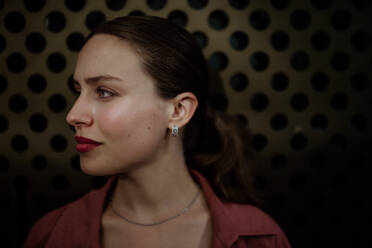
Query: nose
[[80, 114]]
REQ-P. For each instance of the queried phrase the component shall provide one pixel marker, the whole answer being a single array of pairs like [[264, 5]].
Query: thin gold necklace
[[158, 222]]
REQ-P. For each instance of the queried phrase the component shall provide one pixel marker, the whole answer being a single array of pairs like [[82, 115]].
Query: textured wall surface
[[298, 73]]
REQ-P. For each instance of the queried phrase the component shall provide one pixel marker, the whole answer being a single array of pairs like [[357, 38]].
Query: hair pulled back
[[212, 142]]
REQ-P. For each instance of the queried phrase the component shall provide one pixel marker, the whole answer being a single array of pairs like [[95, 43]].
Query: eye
[[102, 93]]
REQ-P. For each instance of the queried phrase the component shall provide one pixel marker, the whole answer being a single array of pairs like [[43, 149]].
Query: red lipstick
[[85, 144]]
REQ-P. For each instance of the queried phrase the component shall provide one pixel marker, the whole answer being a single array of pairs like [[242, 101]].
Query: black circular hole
[[39, 162], [94, 18], [359, 121], [56, 62], [280, 40], [259, 61], [280, 4], [359, 81], [178, 17], [115, 4], [279, 161], [4, 124], [260, 19], [259, 102], [4, 163], [299, 102], [75, 5], [298, 182], [300, 19], [18, 103], [2, 43], [300, 61], [37, 83], [362, 4], [279, 81], [58, 143], [3, 83], [156, 4], [201, 38], [361, 40], [35, 42], [218, 61], [339, 101], [59, 182], [16, 62], [339, 142], [57, 103], [239, 4], [55, 21], [75, 163], [38, 122], [340, 61], [259, 142], [320, 40], [219, 102], [298, 142], [319, 81], [239, 40], [340, 20], [19, 143], [75, 41], [321, 4], [198, 4], [136, 13], [319, 122], [34, 5], [279, 122], [218, 19], [14, 22], [239, 82]]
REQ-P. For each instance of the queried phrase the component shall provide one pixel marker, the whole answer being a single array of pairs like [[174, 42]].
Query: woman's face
[[118, 106]]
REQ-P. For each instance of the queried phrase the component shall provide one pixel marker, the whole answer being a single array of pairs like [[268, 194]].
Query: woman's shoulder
[[252, 218], [81, 214]]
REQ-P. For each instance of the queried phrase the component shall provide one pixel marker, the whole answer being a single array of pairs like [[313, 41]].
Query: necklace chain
[[158, 222]]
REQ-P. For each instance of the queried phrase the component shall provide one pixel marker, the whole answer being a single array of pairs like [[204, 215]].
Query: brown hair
[[212, 140]]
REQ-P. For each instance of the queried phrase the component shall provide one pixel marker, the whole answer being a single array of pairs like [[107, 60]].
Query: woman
[[178, 172]]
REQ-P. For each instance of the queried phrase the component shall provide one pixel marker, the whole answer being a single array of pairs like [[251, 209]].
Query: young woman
[[178, 176]]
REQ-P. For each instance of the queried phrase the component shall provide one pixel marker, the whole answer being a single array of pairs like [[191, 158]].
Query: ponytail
[[222, 155]]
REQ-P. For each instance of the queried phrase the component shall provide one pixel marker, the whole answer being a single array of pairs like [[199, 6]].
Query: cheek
[[142, 122]]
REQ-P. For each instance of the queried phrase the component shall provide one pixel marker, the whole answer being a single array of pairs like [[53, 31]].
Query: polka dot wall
[[296, 73]]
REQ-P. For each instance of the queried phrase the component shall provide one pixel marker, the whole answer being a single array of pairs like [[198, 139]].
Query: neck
[[155, 190]]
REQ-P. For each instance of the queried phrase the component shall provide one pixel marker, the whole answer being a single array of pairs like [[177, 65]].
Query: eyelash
[[99, 91]]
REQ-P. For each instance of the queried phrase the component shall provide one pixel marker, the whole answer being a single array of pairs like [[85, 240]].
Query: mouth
[[85, 145]]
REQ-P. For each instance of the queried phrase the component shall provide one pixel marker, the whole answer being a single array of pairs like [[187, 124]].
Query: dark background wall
[[298, 73]]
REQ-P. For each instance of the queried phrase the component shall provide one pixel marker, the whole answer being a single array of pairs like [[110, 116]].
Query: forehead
[[107, 54]]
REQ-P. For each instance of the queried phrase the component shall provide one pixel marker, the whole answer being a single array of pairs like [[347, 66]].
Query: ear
[[183, 107]]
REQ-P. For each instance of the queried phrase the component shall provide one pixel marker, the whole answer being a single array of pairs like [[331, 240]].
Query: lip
[[85, 145]]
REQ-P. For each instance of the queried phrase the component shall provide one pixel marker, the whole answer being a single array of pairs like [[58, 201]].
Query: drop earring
[[174, 130]]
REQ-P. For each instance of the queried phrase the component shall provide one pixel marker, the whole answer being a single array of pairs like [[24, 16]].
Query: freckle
[[148, 128]]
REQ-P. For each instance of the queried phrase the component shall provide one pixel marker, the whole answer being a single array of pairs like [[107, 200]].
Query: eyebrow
[[95, 79]]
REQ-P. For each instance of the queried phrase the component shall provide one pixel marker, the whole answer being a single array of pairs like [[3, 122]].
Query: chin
[[94, 169]]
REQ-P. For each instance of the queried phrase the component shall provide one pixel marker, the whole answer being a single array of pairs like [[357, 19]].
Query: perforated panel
[[298, 73]]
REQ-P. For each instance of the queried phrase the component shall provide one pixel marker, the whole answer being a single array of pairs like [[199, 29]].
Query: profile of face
[[118, 106]]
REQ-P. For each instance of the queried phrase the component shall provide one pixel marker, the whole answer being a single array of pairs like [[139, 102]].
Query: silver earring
[[174, 130]]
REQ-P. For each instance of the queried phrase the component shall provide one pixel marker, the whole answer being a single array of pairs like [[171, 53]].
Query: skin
[[118, 105]]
